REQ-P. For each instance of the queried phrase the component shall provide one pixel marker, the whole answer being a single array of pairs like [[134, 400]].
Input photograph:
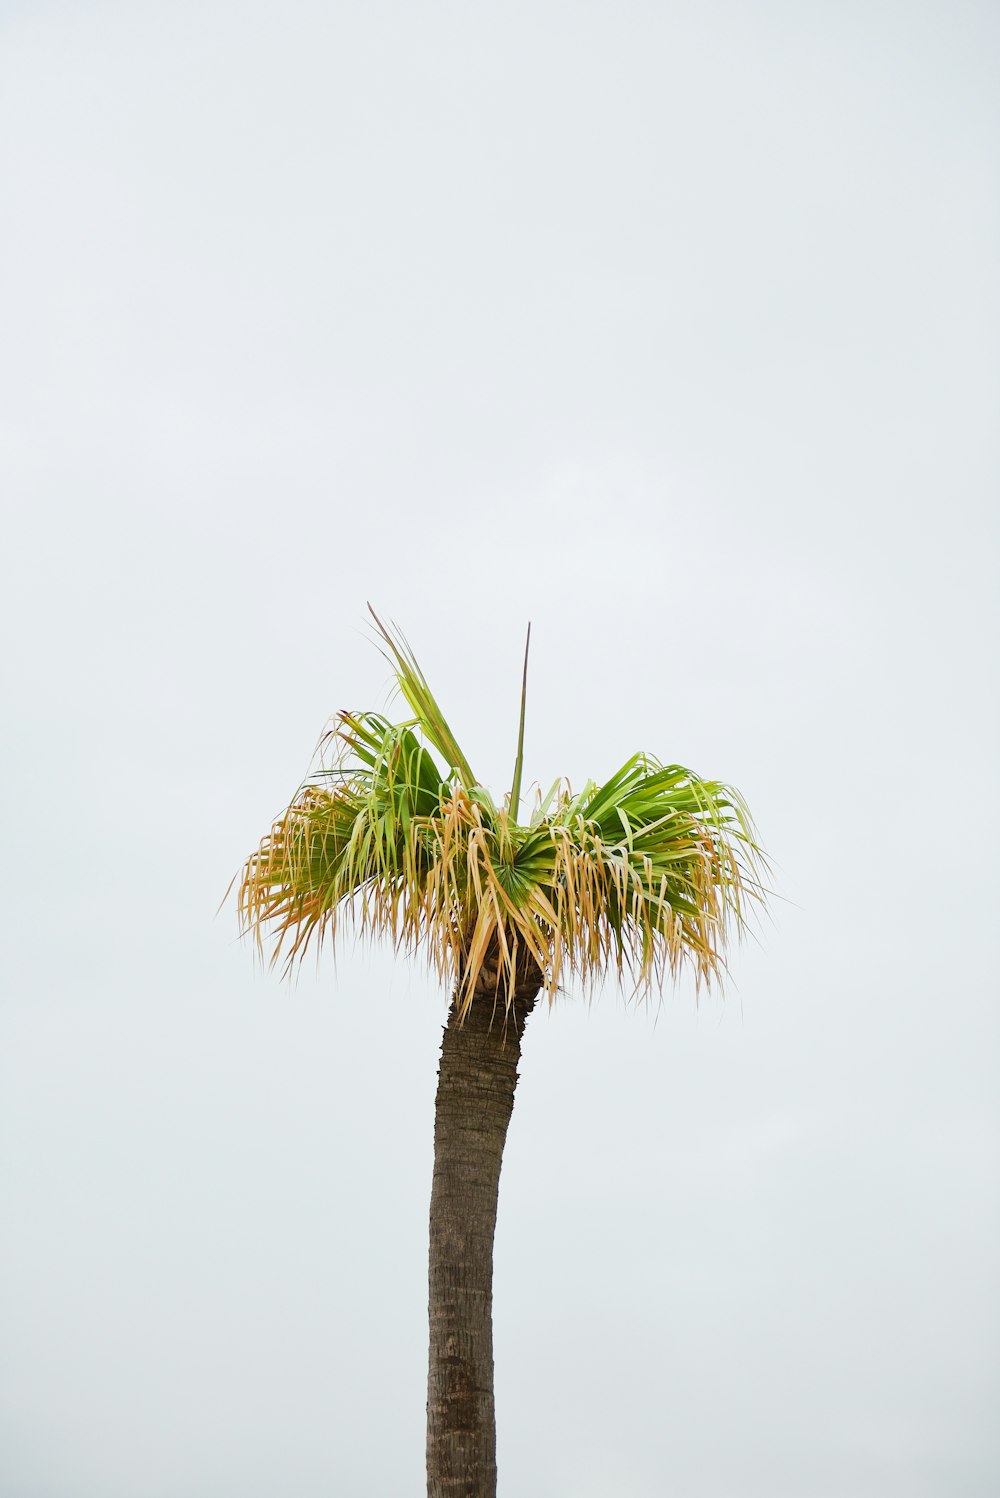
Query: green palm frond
[[649, 871], [413, 685]]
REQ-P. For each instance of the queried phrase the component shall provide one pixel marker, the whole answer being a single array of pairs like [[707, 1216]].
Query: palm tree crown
[[648, 871]]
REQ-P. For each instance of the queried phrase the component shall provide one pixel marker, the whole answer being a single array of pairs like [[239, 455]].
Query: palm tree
[[637, 876]]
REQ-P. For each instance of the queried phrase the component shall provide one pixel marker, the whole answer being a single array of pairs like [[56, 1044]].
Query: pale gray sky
[[675, 328]]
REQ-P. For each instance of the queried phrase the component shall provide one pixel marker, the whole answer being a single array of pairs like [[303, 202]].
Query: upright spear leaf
[[515, 790]]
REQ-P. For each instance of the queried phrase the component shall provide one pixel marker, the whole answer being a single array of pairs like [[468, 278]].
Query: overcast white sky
[[675, 328]]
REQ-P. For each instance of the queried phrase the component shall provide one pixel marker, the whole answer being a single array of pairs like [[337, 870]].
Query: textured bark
[[475, 1096]]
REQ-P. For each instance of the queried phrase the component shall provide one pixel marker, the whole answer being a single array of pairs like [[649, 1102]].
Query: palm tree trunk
[[475, 1096]]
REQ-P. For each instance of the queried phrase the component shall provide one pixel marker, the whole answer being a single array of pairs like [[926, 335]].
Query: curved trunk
[[475, 1095]]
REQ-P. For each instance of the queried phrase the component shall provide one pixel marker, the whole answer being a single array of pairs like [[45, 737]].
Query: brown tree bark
[[475, 1096]]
